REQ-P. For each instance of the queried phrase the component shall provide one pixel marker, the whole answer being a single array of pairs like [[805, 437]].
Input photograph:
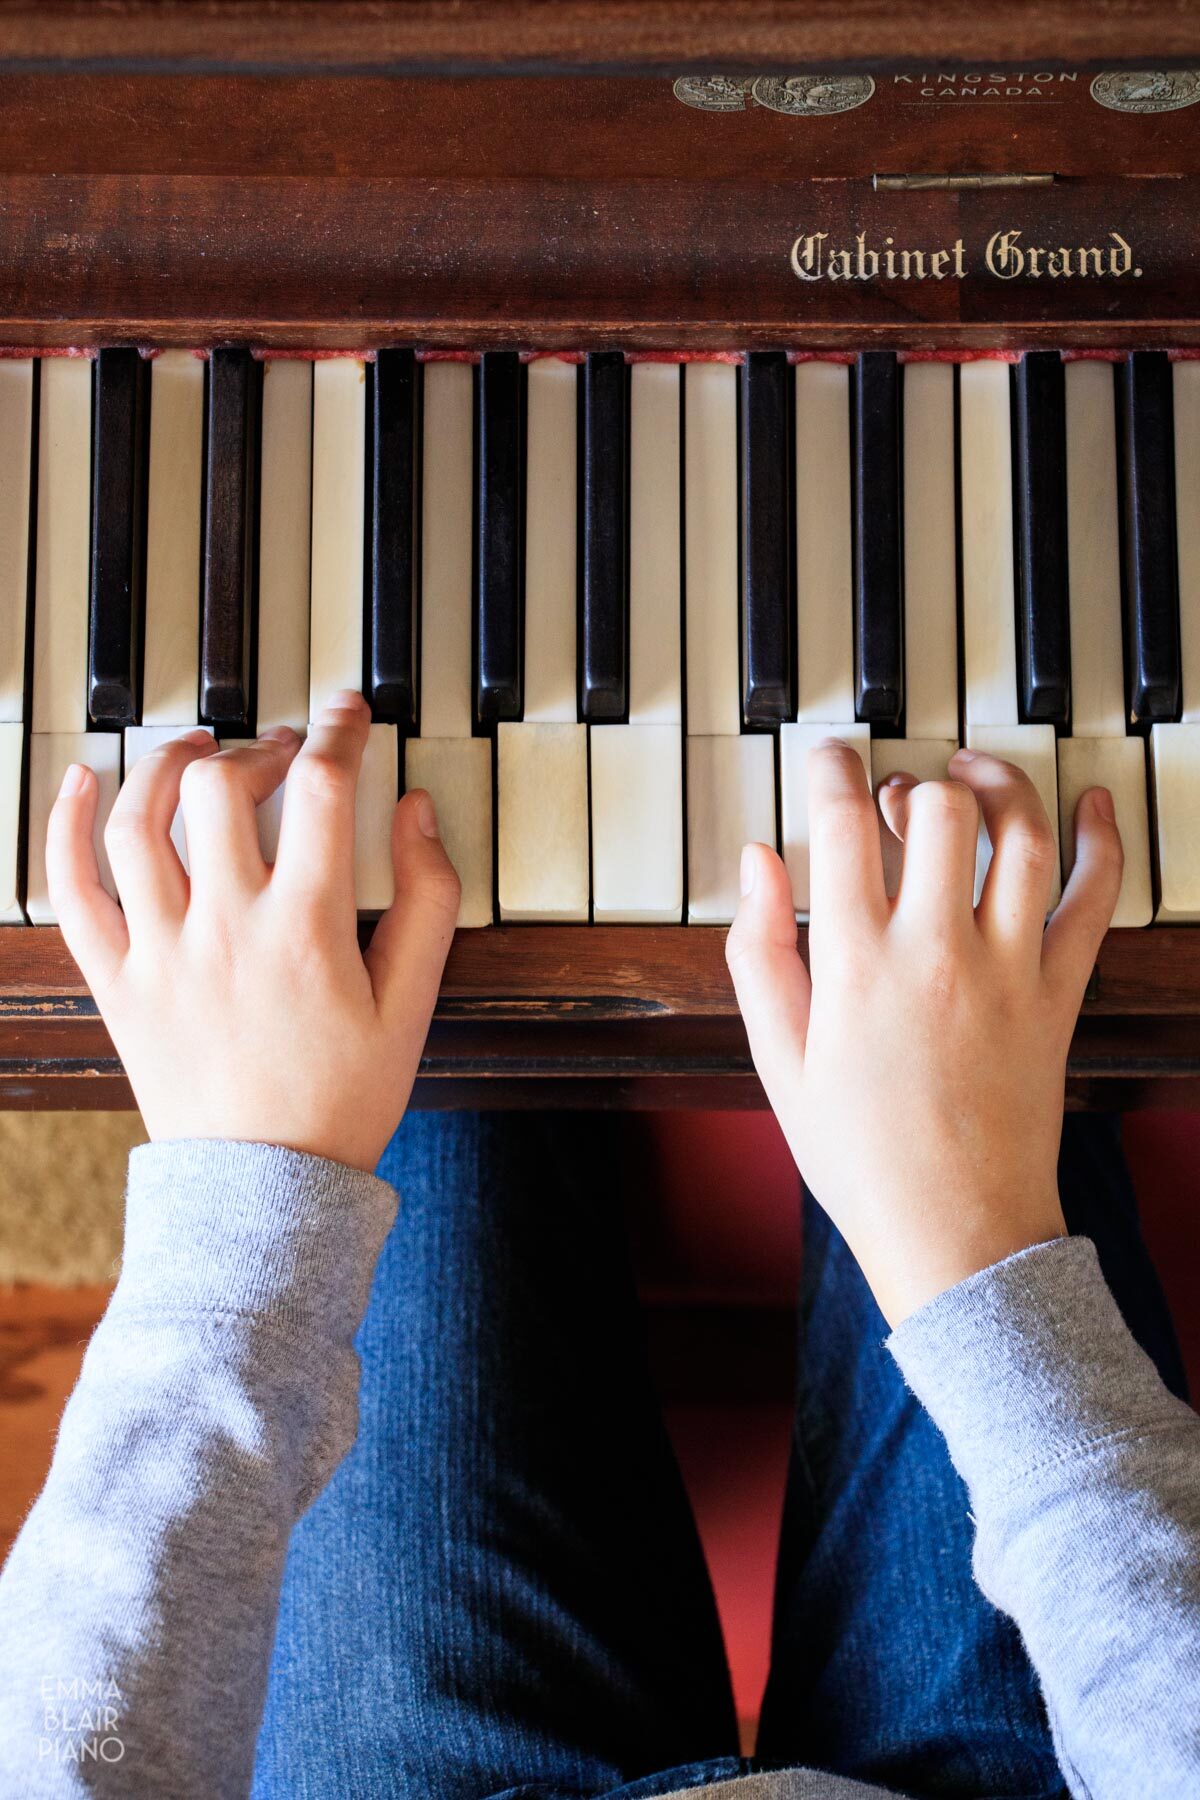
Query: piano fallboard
[[610, 1016]]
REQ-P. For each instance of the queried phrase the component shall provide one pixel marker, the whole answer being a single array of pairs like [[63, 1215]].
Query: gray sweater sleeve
[[217, 1395], [1084, 1478]]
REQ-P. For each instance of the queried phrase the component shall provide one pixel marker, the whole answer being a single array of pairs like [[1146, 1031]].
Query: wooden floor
[[43, 1335]]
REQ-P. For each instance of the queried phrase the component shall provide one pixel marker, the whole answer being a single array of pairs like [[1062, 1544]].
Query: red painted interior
[[717, 1220]]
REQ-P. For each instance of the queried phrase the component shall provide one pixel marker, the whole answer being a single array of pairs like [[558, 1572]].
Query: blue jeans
[[502, 1593]]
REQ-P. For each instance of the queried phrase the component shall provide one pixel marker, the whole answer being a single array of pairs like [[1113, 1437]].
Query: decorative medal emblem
[[1147, 90], [714, 93], [809, 96]]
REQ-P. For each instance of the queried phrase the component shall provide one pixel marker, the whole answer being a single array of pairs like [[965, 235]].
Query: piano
[[625, 397]]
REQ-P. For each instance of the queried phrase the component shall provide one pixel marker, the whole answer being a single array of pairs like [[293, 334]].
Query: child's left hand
[[239, 1000]]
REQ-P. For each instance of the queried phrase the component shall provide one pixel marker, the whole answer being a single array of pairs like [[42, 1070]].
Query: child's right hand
[[919, 1076], [238, 999]]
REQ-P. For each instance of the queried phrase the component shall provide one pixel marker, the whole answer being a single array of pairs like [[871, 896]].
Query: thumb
[[771, 982], [408, 950]]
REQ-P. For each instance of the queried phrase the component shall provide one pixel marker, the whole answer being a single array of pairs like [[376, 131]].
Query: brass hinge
[[911, 184]]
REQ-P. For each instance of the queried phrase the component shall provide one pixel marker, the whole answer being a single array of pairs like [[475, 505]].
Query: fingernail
[[901, 779], [198, 737], [73, 782], [279, 734], [1102, 800], [345, 700], [426, 817], [831, 743], [747, 870], [963, 756]]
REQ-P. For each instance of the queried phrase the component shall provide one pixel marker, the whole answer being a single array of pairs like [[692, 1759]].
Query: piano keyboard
[[603, 609]]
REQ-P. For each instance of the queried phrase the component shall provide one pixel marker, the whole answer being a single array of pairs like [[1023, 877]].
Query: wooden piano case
[[325, 175]]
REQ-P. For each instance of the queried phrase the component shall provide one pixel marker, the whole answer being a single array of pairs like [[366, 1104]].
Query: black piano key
[[498, 539], [1152, 652], [604, 671], [878, 551], [231, 443], [1040, 467], [767, 696], [392, 623], [118, 536]]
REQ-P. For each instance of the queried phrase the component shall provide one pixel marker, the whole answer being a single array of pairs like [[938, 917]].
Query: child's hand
[[239, 1000], [919, 1076]]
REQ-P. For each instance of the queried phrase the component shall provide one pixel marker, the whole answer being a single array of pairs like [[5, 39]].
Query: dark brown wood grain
[[629, 1016], [605, 128], [535, 263], [419, 35]]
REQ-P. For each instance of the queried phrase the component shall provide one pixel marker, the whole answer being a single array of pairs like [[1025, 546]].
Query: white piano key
[[1032, 749], [714, 707], [447, 499], [50, 754], [60, 629], [655, 660], [988, 577], [730, 802], [930, 554], [174, 501], [12, 751], [1118, 764], [374, 810], [1186, 382], [1175, 768], [795, 743], [457, 774], [339, 450], [550, 542], [1094, 553], [139, 740], [284, 544], [16, 462], [927, 759], [637, 824], [824, 595], [542, 802]]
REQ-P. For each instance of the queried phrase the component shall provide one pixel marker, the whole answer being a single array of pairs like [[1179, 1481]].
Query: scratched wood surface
[[627, 1016], [583, 34]]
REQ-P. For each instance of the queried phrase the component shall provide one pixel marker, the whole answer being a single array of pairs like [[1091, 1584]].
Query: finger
[[770, 980], [1020, 879], [92, 923], [941, 832], [893, 801], [149, 876], [220, 798], [845, 862], [315, 859], [408, 950], [1073, 937]]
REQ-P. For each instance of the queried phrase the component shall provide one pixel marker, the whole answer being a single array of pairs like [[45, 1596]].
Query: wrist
[[916, 1268]]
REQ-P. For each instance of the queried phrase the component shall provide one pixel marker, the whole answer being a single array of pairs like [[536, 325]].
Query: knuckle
[[947, 799], [322, 776], [128, 829], [1037, 847], [442, 889], [209, 779]]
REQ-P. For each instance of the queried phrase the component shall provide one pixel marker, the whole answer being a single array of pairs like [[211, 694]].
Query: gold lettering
[[867, 260], [1058, 262], [839, 268], [1002, 255], [1093, 256], [806, 262], [937, 264], [912, 265], [1120, 260]]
